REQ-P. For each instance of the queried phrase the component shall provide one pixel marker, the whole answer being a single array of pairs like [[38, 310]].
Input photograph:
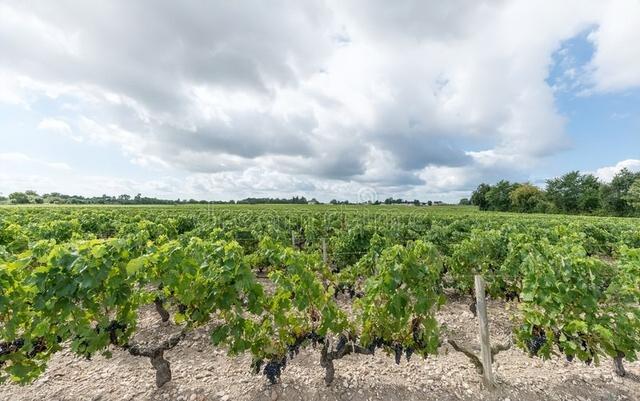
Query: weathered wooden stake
[[485, 344], [325, 257], [293, 239]]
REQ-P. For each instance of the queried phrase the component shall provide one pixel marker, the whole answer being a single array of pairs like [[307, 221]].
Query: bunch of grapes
[[408, 352], [537, 341], [342, 342], [511, 296], [397, 348], [38, 345], [9, 347], [113, 328], [273, 369], [417, 333]]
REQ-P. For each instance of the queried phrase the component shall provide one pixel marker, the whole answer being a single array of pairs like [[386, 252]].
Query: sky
[[357, 100]]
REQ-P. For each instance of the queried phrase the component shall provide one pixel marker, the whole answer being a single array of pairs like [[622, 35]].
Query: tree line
[[32, 197], [572, 193]]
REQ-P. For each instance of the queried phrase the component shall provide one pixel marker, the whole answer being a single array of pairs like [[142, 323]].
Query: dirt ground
[[204, 372]]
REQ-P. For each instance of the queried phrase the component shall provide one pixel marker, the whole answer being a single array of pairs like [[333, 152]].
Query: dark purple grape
[[536, 342], [342, 342], [397, 348], [408, 352], [272, 370]]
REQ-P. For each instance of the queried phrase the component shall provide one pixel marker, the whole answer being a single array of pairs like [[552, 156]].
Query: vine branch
[[156, 354], [327, 357], [469, 353]]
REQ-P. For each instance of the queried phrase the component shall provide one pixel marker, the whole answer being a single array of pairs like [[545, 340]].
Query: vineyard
[[268, 284]]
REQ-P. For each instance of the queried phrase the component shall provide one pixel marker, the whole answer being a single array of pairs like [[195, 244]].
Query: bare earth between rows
[[204, 372]]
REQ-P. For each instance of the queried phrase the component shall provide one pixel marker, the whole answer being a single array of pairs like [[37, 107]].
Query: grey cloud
[[248, 135], [304, 89], [147, 50], [416, 19], [418, 151]]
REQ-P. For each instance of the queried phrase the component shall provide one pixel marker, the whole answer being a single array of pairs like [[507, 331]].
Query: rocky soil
[[203, 372]]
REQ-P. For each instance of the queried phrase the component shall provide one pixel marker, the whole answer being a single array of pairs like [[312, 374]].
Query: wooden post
[[293, 239], [485, 344], [325, 257]]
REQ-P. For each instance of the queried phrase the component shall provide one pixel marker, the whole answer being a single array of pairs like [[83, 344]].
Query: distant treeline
[[55, 198], [32, 197], [295, 200], [572, 193]]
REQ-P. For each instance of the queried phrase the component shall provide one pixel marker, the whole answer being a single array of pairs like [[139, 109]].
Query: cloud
[[616, 63], [414, 97], [15, 161], [58, 127], [607, 173]]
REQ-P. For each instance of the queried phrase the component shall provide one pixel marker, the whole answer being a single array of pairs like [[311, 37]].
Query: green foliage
[[401, 299], [479, 197], [482, 253], [578, 304], [526, 199], [78, 276], [632, 196]]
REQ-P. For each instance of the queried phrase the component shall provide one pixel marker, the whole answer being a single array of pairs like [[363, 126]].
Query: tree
[[589, 200], [564, 192], [19, 198], [464, 202], [614, 194], [526, 198], [574, 192], [498, 196], [479, 196], [633, 195]]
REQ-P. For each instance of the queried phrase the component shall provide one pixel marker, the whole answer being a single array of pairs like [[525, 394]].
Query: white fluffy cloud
[[616, 63], [329, 96], [607, 173]]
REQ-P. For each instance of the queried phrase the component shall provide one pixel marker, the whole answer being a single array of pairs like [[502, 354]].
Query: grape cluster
[[9, 347], [113, 328], [417, 333], [315, 338], [537, 340], [342, 342], [408, 352], [294, 349], [273, 369], [511, 296], [397, 349], [37, 346]]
